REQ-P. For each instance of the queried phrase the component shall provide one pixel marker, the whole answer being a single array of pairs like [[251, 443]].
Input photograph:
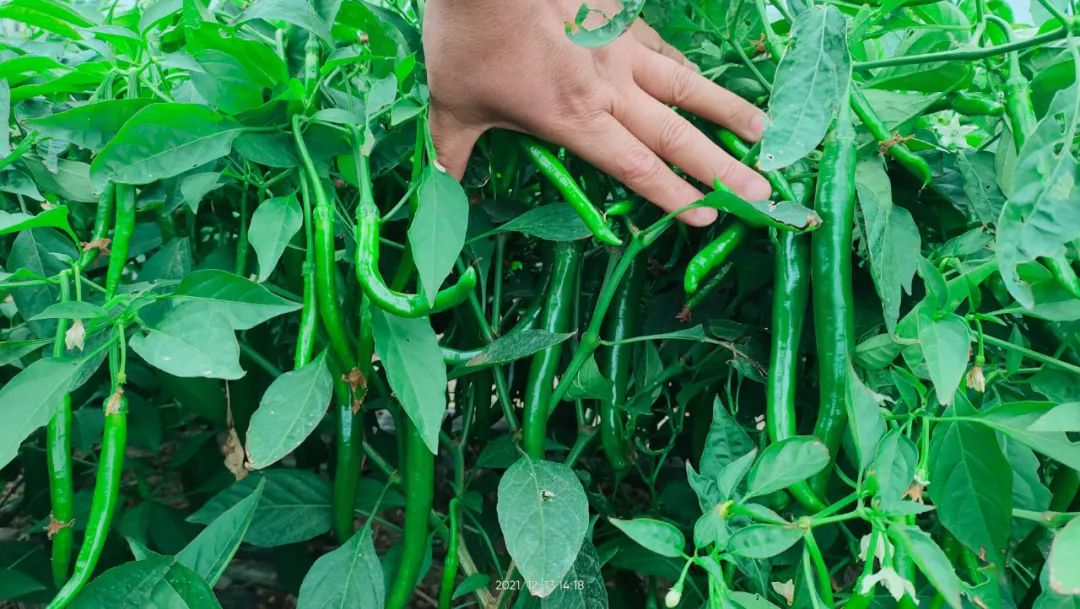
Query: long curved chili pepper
[[452, 562], [713, 255], [349, 451], [58, 457], [556, 318], [322, 217], [1021, 113], [831, 270], [877, 127], [367, 264], [615, 362], [309, 320], [105, 500], [114, 434], [791, 294], [419, 486], [556, 173]]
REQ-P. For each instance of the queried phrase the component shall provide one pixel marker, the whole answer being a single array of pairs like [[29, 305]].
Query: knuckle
[[639, 166], [682, 83], [673, 134]]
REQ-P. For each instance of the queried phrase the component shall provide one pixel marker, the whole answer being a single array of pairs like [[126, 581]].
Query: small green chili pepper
[[553, 169], [714, 254], [889, 142]]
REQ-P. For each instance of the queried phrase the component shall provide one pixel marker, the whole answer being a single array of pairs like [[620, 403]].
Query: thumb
[[453, 140]]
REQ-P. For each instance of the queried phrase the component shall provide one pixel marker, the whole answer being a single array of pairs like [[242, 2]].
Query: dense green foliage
[[259, 350]]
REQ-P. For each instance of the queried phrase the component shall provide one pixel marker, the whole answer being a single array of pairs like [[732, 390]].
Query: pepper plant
[[258, 349]]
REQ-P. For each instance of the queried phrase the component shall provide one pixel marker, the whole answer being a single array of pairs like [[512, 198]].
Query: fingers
[[647, 36], [608, 145], [676, 140], [673, 83], [454, 141]]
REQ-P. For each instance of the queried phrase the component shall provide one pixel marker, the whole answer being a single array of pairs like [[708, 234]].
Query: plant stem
[[965, 54]]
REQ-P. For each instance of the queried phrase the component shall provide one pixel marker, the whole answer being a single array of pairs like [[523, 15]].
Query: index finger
[[675, 84]]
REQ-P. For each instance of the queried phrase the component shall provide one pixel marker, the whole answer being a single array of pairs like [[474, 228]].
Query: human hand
[[509, 64]]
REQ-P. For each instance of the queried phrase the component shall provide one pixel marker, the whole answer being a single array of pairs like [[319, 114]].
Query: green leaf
[[583, 587], [785, 463], [273, 225], [931, 561], [191, 341], [747, 600], [414, 366], [543, 515], [14, 584], [288, 413], [1041, 215], [296, 12], [760, 541], [350, 577], [153, 583], [92, 125], [437, 233], [1064, 577], [73, 309], [295, 507], [226, 83], [892, 238], [515, 346], [244, 303], [866, 421], [1015, 420], [554, 222], [1060, 418], [894, 466], [56, 217], [810, 83], [30, 399], [944, 340], [607, 33], [213, 549], [726, 442], [783, 215], [981, 189], [161, 141], [971, 485], [655, 535]]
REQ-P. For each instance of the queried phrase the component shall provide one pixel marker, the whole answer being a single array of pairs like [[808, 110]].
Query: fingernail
[[759, 190], [757, 125], [702, 216]]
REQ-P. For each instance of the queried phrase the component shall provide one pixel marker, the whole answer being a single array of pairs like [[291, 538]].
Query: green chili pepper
[[105, 500], [556, 318], [309, 320], [326, 294], [419, 486], [100, 232], [615, 363], [450, 565], [349, 436], [125, 227], [114, 433], [974, 104], [58, 456], [831, 270], [706, 290], [791, 291], [553, 169], [877, 127], [367, 264], [1018, 106], [1062, 270], [714, 254]]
